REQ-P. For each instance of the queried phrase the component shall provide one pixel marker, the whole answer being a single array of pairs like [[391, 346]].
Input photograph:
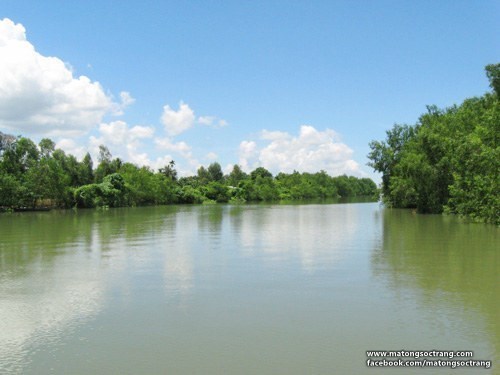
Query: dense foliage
[[42, 176], [448, 161]]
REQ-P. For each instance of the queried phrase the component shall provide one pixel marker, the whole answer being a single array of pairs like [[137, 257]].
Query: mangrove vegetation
[[40, 175], [449, 161]]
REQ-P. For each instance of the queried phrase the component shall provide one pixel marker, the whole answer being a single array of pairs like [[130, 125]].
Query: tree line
[[449, 161], [40, 175]]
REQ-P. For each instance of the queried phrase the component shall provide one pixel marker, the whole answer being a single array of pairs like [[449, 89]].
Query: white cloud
[[177, 122], [123, 142], [212, 121], [118, 133], [247, 151], [310, 151], [180, 148], [39, 94], [167, 144], [274, 135], [247, 148], [206, 120], [211, 156], [125, 100], [70, 147]]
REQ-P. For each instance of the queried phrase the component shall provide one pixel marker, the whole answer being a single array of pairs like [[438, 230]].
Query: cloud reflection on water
[[46, 303], [66, 269], [310, 233]]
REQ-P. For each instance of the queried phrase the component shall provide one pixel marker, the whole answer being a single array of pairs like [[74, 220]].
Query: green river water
[[244, 289]]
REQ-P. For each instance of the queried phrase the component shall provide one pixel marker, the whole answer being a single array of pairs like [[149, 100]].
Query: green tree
[[169, 171], [86, 170], [215, 172], [216, 191], [107, 165], [493, 74], [47, 147], [10, 189], [450, 160], [6, 142], [20, 156], [203, 175], [385, 155], [260, 172], [236, 176]]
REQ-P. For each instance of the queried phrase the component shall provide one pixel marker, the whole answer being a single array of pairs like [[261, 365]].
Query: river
[[244, 289]]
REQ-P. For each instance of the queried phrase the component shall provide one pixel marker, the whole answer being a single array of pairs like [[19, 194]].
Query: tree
[[10, 189], [203, 175], [20, 156], [493, 74], [6, 142], [47, 147], [104, 154], [386, 154], [31, 175], [448, 161], [111, 192], [86, 170], [169, 171], [47, 180], [107, 165], [236, 176], [216, 191], [215, 172], [260, 172]]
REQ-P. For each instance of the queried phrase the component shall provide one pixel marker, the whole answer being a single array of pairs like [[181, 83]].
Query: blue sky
[[286, 85]]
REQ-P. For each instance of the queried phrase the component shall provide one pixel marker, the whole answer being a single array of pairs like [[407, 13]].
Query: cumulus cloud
[[206, 120], [274, 135], [247, 152], [125, 100], [70, 147], [310, 151], [181, 147], [118, 133], [211, 156], [123, 141], [39, 94], [177, 122], [247, 148], [212, 121]]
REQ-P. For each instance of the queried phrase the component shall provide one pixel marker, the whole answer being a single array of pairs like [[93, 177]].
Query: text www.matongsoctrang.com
[[394, 358]]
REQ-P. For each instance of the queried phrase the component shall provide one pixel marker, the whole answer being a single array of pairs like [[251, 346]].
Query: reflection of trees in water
[[47, 283], [51, 277], [30, 237], [41, 237], [444, 261], [210, 217]]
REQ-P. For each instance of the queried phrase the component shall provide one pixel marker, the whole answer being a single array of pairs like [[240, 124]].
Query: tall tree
[[385, 155], [86, 170], [203, 175], [215, 172], [236, 175], [169, 171], [47, 147], [493, 74]]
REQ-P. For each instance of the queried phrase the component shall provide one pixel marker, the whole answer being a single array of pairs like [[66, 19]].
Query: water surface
[[247, 289]]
